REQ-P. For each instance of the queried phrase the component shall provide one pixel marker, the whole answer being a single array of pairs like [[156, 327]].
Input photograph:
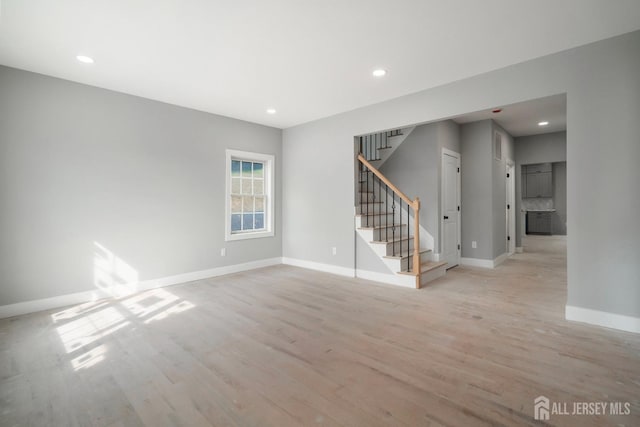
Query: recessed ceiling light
[[379, 72], [271, 110], [85, 59], [543, 123]]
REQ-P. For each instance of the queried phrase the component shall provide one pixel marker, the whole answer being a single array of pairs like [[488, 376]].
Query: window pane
[[247, 204], [259, 204], [235, 168], [258, 186], [247, 221], [235, 186], [246, 186], [236, 204], [246, 169], [236, 222], [259, 221], [258, 170]]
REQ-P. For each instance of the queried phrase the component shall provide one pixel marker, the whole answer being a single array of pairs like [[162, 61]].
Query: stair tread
[[380, 227], [425, 267], [402, 255], [375, 214], [430, 265], [391, 240]]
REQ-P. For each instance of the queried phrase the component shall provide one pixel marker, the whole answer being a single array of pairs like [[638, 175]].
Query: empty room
[[295, 213]]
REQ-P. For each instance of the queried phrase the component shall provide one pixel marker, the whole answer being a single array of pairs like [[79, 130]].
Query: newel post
[[416, 241]]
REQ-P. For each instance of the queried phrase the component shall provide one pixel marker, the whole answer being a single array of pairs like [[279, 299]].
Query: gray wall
[[484, 192], [559, 218], [415, 167], [144, 179], [476, 175], [602, 85], [544, 148]]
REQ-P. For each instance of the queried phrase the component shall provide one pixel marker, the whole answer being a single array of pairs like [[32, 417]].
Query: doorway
[[511, 210], [450, 224]]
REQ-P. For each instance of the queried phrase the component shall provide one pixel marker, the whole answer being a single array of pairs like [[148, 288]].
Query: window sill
[[245, 236]]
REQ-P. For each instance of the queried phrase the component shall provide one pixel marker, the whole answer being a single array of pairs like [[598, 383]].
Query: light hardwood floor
[[283, 346]]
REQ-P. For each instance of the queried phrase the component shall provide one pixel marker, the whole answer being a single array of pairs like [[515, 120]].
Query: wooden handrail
[[415, 205], [384, 179]]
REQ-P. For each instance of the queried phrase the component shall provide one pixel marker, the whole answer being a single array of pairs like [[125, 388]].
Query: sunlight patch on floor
[[90, 328]]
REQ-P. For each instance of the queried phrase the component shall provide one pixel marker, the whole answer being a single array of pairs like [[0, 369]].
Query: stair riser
[[398, 248], [401, 265], [423, 257], [380, 192], [432, 275], [372, 208], [362, 198], [374, 221], [371, 235], [388, 234]]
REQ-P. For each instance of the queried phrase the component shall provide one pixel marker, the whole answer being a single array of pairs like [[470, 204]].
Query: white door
[[511, 212], [450, 208]]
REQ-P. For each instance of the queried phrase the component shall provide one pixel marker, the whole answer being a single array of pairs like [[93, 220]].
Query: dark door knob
[[446, 217]]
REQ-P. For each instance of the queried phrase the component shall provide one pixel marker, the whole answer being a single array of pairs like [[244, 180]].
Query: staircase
[[387, 219]]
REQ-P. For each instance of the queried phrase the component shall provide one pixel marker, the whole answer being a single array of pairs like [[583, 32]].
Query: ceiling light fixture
[[271, 110], [85, 59], [543, 123], [379, 72]]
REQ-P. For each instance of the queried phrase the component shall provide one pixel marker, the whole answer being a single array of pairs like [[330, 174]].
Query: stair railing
[[369, 146]]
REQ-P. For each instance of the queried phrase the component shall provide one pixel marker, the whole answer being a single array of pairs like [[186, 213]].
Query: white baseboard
[[603, 318], [327, 268], [476, 262], [519, 249], [500, 259], [391, 279], [33, 306], [484, 263], [436, 257]]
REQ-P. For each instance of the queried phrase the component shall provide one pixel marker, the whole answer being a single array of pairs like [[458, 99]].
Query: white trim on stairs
[[34, 306], [602, 318], [312, 265]]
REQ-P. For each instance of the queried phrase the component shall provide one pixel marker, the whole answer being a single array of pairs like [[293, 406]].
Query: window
[[249, 195]]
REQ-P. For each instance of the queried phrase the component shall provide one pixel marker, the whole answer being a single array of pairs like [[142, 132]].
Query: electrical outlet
[[474, 244], [334, 250], [223, 252]]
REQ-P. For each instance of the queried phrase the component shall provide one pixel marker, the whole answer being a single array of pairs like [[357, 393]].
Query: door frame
[[510, 214], [457, 156]]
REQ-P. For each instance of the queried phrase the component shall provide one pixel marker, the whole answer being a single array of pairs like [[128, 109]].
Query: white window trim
[[269, 161]]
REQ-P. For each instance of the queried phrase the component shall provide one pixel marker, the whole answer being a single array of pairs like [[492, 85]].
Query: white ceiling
[[522, 119], [308, 59]]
